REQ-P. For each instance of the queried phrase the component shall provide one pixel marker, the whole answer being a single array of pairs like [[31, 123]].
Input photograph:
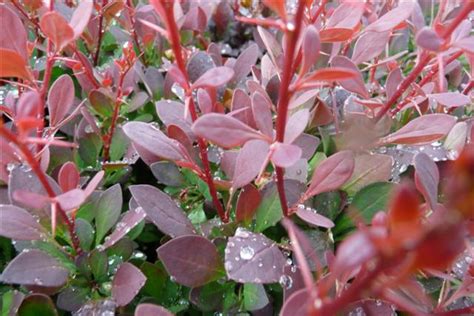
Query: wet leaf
[[60, 99], [37, 304], [108, 210], [56, 28], [129, 220], [214, 77], [427, 178], [247, 203], [311, 217], [355, 84], [18, 224], [151, 309], [127, 282]]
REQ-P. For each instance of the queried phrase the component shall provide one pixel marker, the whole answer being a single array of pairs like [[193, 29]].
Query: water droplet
[[436, 144], [286, 282], [38, 281], [242, 232], [383, 150], [247, 253], [228, 266]]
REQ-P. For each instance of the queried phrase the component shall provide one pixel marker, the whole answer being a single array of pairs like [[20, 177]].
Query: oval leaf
[[310, 48], [285, 155], [13, 65], [127, 282], [18, 224], [56, 28], [60, 99], [249, 162], [214, 77], [311, 217], [129, 220], [151, 309], [427, 178]]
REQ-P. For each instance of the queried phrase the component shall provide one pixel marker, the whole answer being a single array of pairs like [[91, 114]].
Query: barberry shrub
[[300, 157]]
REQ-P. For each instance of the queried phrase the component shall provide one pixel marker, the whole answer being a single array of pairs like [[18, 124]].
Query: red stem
[[131, 15], [468, 87], [284, 96], [35, 167], [175, 42], [99, 40]]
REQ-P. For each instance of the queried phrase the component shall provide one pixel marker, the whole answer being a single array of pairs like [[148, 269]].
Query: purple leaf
[[14, 36], [285, 155], [355, 84], [466, 44], [308, 143], [224, 130], [68, 177], [296, 125], [162, 210], [392, 18], [71, 199], [151, 309], [154, 141], [108, 211], [60, 99], [244, 62], [451, 99], [427, 178], [253, 258], [297, 304], [204, 101], [353, 252], [80, 17], [371, 307], [247, 203], [240, 100], [310, 48], [195, 20], [346, 15], [56, 28], [127, 282], [262, 114], [393, 81], [428, 39], [191, 260], [214, 78], [369, 45], [311, 217], [34, 267], [129, 220], [422, 130], [250, 162], [332, 173], [18, 224]]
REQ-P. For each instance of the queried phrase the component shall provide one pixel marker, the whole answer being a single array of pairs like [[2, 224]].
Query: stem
[[175, 42], [131, 15], [99, 40], [35, 167], [468, 87], [284, 96]]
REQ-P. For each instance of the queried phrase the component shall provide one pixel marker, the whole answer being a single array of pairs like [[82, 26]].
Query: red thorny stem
[[284, 95], [35, 167], [175, 42], [425, 57]]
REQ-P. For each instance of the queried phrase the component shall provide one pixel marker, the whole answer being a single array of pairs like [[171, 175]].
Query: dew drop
[[247, 253], [228, 266], [241, 232], [286, 282]]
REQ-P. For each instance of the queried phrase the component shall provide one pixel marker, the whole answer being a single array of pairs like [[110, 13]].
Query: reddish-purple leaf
[[129, 220], [12, 64], [27, 106], [214, 77], [31, 199], [310, 48], [346, 15], [244, 62], [60, 99], [56, 28], [153, 140], [80, 17], [127, 282], [353, 252], [195, 19], [332, 74], [308, 143], [68, 177], [262, 114], [427, 178], [34, 267], [393, 81], [224, 130], [296, 125], [13, 36], [253, 258], [372, 308], [428, 39], [369, 45], [241, 101], [466, 44], [247, 203], [285, 155], [162, 210], [297, 304], [422, 130], [249, 163], [332, 173], [204, 101], [355, 84], [451, 99], [108, 210], [71, 199], [191, 260], [311, 217], [18, 224], [173, 112], [334, 35], [92, 185], [151, 309], [303, 98], [391, 19], [456, 139]]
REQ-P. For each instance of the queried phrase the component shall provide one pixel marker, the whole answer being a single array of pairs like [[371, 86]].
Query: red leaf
[[428, 39], [249, 163], [68, 177], [299, 303], [311, 217], [13, 65], [80, 17], [393, 80], [353, 252], [466, 44], [279, 6], [127, 282], [224, 130], [60, 99], [18, 224], [244, 62], [310, 48], [296, 125], [129, 220], [71, 199], [346, 15], [451, 99], [393, 18], [427, 178], [285, 155], [13, 35], [332, 74], [404, 214], [355, 84], [422, 130], [247, 203], [262, 114], [369, 45], [151, 309], [332, 173], [195, 19], [214, 77], [57, 29], [334, 35]]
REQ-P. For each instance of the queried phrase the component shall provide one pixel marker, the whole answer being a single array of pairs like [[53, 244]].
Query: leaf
[[393, 81], [369, 168], [195, 20], [129, 220], [428, 39], [253, 258], [392, 18], [214, 78], [71, 199], [80, 17], [18, 224], [451, 99], [191, 260], [354, 251], [427, 178], [422, 130], [332, 74], [34, 267], [456, 139], [285, 155], [250, 162], [162, 211], [332, 173], [153, 140], [311, 217], [347, 15], [369, 45], [224, 130], [56, 28], [14, 36], [101, 102], [296, 125], [151, 309], [255, 297], [167, 173], [371, 307], [99, 265], [310, 48], [262, 114], [107, 211], [68, 177], [127, 282], [297, 304], [334, 35], [37, 304], [60, 99], [355, 84], [466, 44], [247, 203], [85, 233], [244, 62], [13, 65]]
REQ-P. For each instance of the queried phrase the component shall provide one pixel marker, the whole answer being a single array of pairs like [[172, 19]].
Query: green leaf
[[89, 147], [315, 161], [107, 211], [119, 145], [255, 297], [37, 304], [328, 204], [98, 262], [155, 280], [366, 203], [101, 102], [85, 233], [212, 296], [269, 212]]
